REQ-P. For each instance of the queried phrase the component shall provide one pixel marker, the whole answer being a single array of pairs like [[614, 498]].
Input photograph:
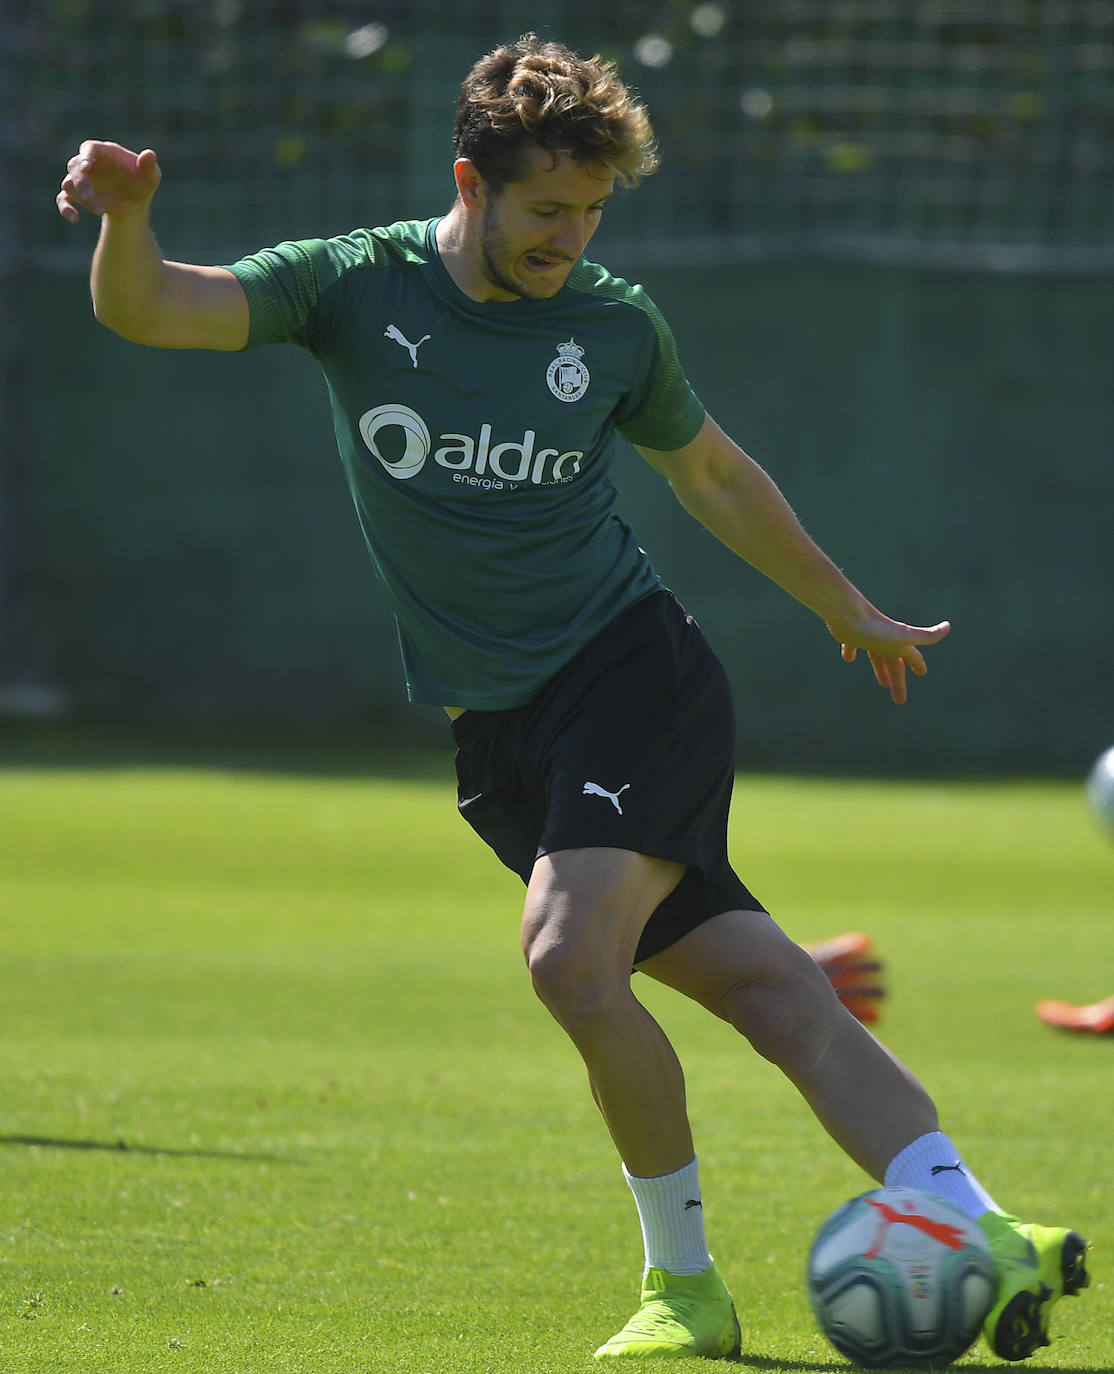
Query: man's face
[[535, 228]]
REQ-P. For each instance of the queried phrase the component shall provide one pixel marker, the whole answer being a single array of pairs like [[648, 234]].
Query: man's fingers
[[101, 176], [890, 673], [77, 191], [77, 188], [926, 634], [881, 670], [889, 665]]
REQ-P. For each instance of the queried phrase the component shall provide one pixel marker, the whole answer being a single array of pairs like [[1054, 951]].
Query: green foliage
[[278, 1099]]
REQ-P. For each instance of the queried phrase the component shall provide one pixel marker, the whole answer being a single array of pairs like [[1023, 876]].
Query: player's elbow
[[702, 496], [127, 325]]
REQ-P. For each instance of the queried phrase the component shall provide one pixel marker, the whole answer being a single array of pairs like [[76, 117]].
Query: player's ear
[[469, 183]]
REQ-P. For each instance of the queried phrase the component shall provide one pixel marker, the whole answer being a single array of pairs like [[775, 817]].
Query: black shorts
[[630, 746]]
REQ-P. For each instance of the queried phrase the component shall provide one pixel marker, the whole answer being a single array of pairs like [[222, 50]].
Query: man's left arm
[[737, 500]]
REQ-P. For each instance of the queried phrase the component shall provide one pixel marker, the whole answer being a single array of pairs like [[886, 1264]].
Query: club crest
[[567, 376]]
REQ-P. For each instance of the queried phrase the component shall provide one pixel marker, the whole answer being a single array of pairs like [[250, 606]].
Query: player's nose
[[571, 237]]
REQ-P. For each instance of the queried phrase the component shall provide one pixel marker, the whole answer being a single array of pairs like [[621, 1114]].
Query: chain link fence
[[977, 134]]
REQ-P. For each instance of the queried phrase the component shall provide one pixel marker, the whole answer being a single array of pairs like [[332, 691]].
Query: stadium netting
[[933, 132]]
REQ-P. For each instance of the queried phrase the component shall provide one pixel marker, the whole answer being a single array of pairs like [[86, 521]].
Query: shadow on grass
[[837, 1366], [122, 1147], [811, 1366]]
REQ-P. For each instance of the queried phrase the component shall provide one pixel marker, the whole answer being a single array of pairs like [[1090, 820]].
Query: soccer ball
[[900, 1277], [1100, 790]]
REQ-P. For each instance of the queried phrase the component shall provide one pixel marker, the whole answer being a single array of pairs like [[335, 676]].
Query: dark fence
[[884, 243]]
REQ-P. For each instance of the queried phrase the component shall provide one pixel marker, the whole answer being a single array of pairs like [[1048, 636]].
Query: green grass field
[[276, 1095]]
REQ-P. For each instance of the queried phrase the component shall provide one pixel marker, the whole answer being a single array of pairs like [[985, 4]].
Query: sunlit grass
[[276, 1095]]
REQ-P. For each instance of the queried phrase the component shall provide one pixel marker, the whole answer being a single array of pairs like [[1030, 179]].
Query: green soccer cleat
[[679, 1316], [1036, 1267]]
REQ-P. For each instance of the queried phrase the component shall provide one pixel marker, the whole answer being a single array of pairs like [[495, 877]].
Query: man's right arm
[[136, 293]]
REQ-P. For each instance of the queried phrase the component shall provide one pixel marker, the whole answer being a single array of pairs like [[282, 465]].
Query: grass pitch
[[276, 1095]]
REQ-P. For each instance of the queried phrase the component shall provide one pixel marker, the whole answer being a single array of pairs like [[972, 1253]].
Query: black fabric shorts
[[630, 746]]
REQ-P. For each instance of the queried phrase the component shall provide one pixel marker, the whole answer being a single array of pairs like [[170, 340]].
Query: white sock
[[672, 1218], [932, 1163]]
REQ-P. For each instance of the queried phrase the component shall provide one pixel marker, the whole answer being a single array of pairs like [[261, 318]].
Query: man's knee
[[571, 986], [584, 914], [787, 1011]]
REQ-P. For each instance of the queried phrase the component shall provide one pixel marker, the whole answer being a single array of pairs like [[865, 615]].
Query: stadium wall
[[946, 436]]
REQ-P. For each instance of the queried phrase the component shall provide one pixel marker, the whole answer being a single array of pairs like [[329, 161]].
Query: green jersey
[[477, 441]]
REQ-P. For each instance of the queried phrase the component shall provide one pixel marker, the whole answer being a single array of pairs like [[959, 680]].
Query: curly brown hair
[[534, 94]]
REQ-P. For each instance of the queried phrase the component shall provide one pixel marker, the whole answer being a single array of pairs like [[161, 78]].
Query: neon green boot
[[679, 1316], [1036, 1267]]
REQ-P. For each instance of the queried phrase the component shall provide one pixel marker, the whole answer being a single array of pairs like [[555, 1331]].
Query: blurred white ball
[[1100, 790]]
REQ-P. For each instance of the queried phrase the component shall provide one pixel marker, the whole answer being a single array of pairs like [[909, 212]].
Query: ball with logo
[[1100, 791], [898, 1277]]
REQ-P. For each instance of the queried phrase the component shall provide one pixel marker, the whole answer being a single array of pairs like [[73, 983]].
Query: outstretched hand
[[107, 179], [890, 646]]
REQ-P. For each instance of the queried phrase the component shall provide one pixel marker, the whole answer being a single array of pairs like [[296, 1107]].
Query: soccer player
[[480, 370]]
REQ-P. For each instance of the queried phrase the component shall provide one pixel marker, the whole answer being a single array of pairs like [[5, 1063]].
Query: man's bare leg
[[747, 971], [585, 912]]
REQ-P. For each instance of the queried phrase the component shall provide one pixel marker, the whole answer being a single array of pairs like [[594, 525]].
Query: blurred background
[[883, 233]]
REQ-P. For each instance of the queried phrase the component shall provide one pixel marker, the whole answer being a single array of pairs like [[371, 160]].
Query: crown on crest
[[570, 350]]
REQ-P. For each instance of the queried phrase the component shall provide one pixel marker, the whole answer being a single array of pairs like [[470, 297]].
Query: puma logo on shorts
[[593, 789]]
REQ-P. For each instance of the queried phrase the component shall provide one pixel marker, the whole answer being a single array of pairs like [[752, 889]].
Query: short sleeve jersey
[[477, 442]]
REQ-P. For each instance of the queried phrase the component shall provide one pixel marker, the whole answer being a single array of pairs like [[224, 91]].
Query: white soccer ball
[[1100, 790], [900, 1277]]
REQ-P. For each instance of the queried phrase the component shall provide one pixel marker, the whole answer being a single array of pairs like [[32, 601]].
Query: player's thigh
[[736, 958], [586, 908]]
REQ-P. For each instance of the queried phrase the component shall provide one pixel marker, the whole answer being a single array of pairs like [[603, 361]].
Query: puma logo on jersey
[[593, 789], [393, 332]]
